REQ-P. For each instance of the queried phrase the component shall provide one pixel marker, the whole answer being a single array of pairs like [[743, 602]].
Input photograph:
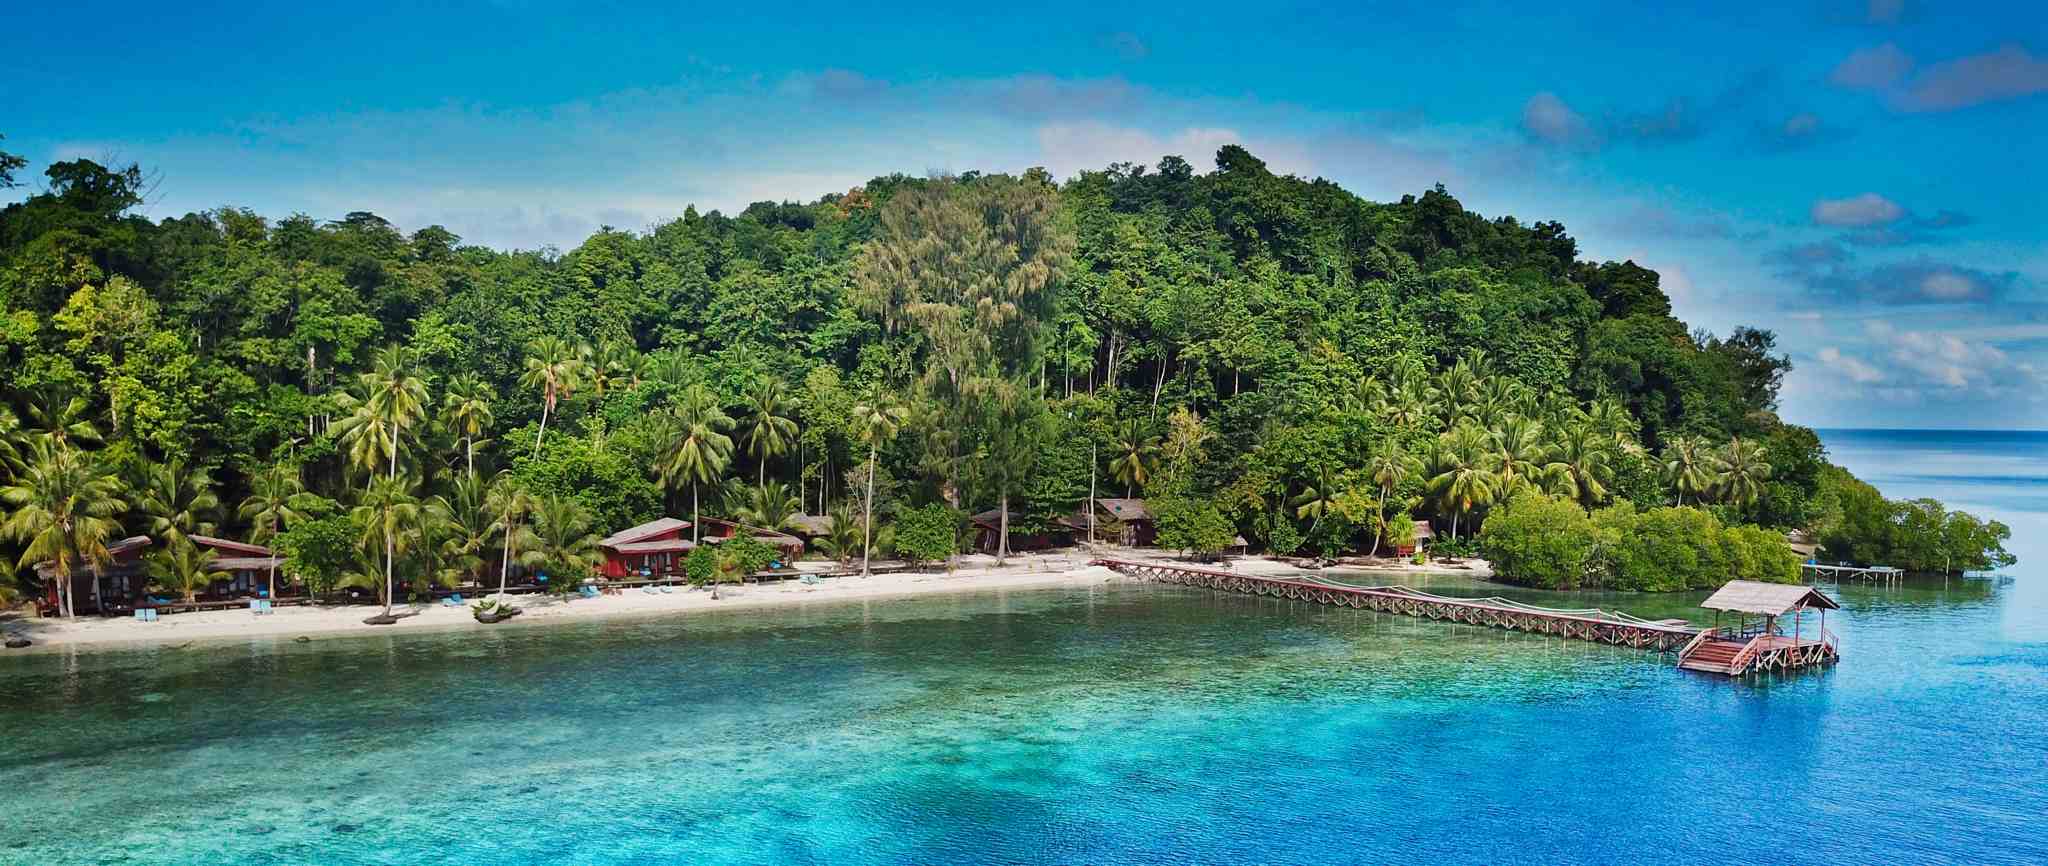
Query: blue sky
[[1863, 177]]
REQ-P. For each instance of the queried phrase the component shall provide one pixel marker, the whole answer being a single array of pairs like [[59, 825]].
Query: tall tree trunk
[[696, 531], [390, 558], [505, 561], [1003, 527], [273, 578], [469, 450], [1382, 528], [867, 515], [547, 402], [1159, 378]]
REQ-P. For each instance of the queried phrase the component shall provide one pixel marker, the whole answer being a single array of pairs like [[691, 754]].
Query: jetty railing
[[1592, 624]]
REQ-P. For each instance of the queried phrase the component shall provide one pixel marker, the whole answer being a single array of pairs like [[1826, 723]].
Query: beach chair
[[259, 607], [667, 589], [145, 614], [587, 591]]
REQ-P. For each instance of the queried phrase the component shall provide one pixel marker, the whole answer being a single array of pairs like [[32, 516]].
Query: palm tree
[[62, 418], [843, 535], [557, 369], [1317, 500], [466, 409], [10, 439], [769, 506], [1137, 453], [276, 498], [1583, 470], [184, 568], [1519, 458], [393, 402], [62, 507], [562, 534], [1740, 471], [179, 502], [1390, 466], [616, 363], [465, 527], [875, 421], [1462, 480], [700, 451], [1687, 466], [770, 432], [385, 511], [509, 504]]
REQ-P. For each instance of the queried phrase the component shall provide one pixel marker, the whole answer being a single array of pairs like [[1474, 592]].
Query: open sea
[[1104, 725]]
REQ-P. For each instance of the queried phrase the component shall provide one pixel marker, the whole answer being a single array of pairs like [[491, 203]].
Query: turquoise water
[[1107, 725]]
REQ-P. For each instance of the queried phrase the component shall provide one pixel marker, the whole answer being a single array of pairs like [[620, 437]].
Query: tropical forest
[[1267, 360]]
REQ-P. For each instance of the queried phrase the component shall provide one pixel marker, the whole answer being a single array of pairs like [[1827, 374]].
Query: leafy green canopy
[[1234, 337]]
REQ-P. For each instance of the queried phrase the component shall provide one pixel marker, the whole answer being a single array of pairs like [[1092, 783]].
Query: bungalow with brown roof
[[988, 528], [249, 566], [112, 587], [716, 530]]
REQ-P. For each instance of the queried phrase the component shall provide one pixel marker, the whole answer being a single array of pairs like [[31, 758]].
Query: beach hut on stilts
[[1769, 632]]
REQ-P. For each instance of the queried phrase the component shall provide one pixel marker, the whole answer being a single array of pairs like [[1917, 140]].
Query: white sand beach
[[975, 573]]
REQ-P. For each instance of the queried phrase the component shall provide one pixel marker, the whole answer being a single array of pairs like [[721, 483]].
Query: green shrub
[[701, 566], [1539, 540], [1760, 554], [1664, 550], [1195, 526], [927, 534]]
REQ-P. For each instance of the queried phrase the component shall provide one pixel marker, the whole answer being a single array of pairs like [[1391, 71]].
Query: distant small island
[[906, 369]]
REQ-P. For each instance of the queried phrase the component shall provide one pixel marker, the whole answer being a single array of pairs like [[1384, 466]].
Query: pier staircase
[[1714, 656]]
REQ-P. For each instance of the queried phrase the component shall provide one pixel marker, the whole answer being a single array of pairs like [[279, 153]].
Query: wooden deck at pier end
[[1698, 649]]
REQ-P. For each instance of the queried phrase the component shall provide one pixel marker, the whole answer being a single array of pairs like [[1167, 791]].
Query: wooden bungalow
[[248, 566], [716, 530], [810, 526], [113, 587], [1136, 525], [1424, 536], [1762, 644], [652, 549], [988, 528]]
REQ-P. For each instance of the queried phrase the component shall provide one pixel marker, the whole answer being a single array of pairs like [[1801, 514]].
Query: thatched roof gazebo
[[1761, 644]]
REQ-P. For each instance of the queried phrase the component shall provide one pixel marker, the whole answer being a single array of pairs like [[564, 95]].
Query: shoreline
[[973, 573]]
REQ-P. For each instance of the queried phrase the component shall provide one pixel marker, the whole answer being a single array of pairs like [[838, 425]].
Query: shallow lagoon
[[1118, 724]]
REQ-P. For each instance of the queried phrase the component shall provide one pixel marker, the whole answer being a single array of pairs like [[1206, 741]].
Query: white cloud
[[1868, 209], [1873, 68], [2008, 73], [1854, 368], [1549, 119]]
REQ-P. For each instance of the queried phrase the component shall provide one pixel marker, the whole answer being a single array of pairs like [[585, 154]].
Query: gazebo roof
[[1769, 599]]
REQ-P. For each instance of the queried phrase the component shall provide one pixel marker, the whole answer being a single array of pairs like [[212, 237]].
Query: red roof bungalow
[[100, 589], [647, 550], [716, 530]]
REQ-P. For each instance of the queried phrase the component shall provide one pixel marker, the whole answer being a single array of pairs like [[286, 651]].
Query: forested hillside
[[1258, 354]]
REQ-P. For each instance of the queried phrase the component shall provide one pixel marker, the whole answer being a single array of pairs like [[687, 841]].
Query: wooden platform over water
[[1698, 649]]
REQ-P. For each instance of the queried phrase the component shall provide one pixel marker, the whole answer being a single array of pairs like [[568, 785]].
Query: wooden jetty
[[1608, 627], [1816, 571], [1698, 649]]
